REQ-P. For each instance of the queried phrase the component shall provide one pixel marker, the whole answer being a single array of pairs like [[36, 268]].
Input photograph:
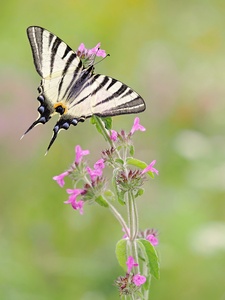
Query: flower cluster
[[88, 55], [128, 177], [90, 185], [148, 234], [130, 283], [92, 181]]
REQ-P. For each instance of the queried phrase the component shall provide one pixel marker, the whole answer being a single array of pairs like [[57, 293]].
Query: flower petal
[[82, 48], [60, 178], [152, 239], [97, 51], [150, 168], [80, 153], [113, 135], [78, 205], [99, 164], [137, 126], [139, 279], [94, 173], [130, 263]]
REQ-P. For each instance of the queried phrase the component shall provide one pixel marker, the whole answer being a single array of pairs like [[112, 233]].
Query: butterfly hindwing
[[70, 89]]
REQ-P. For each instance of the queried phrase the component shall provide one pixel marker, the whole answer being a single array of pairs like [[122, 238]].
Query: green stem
[[135, 215], [103, 130], [118, 217], [132, 224], [105, 133]]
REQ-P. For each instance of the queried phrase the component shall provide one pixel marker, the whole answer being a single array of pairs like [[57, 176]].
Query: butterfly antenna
[[100, 59]]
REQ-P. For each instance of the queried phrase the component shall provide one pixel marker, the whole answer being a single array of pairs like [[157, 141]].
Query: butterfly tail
[[63, 123], [40, 120]]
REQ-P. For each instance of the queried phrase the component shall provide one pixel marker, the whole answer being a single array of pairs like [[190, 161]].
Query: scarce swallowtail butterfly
[[73, 90]]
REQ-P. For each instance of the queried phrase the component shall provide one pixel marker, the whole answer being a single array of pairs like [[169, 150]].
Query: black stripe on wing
[[112, 83], [80, 83], [134, 106], [78, 69], [53, 51], [38, 37], [101, 85], [51, 36], [117, 93], [128, 100], [35, 36]]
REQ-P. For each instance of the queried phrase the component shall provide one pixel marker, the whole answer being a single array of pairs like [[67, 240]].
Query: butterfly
[[71, 89]]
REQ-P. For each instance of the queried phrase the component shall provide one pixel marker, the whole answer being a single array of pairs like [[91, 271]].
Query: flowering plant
[[135, 251]]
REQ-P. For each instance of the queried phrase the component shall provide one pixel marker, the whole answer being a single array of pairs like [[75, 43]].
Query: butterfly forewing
[[66, 81], [55, 61]]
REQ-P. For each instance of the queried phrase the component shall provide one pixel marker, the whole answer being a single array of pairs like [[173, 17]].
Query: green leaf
[[131, 150], [121, 253], [121, 198], [150, 256], [119, 194], [139, 193], [108, 122], [119, 161], [138, 163], [101, 201], [94, 122], [102, 124], [108, 193]]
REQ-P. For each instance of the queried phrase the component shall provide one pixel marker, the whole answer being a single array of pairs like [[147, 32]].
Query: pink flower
[[97, 51], [94, 173], [152, 239], [99, 164], [85, 53], [139, 279], [60, 178], [80, 153], [113, 135], [150, 168], [137, 126], [82, 51], [78, 205], [130, 263], [97, 171], [74, 193]]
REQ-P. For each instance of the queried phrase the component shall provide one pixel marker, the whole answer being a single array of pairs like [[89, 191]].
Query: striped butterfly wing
[[104, 96], [70, 89]]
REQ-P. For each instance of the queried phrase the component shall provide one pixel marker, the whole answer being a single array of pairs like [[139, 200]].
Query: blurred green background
[[173, 54]]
